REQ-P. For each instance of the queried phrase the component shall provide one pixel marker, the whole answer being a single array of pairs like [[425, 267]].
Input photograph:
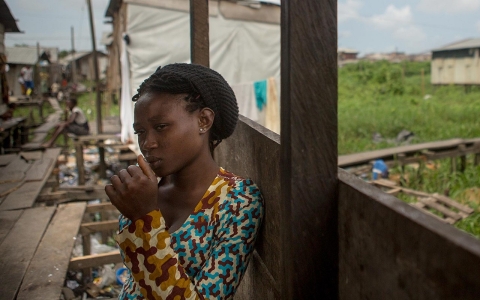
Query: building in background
[[43, 60], [7, 25], [457, 63], [84, 65]]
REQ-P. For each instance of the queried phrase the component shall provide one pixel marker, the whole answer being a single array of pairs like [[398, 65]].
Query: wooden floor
[[35, 241]]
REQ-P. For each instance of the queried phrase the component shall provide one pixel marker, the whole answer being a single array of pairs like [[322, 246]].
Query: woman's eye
[[160, 126], [138, 132]]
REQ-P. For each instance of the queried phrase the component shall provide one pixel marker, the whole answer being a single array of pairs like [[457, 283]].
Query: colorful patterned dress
[[206, 257]]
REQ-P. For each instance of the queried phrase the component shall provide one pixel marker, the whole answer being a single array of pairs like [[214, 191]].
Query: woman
[[77, 123], [190, 234]]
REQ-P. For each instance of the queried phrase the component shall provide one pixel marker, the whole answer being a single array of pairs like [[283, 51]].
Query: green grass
[[373, 98], [386, 98]]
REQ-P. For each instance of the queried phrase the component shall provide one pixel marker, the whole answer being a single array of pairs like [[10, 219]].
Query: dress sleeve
[[155, 267]]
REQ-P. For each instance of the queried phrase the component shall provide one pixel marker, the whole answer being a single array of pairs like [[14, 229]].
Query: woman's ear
[[205, 119]]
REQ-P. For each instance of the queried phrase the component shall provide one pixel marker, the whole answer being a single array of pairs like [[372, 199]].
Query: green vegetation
[[386, 98]]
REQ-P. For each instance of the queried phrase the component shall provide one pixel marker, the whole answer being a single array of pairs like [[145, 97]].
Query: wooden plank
[[6, 159], [39, 169], [7, 188], [96, 137], [394, 191], [23, 197], [432, 203], [365, 157], [453, 203], [39, 137], [7, 220], [421, 206], [46, 127], [32, 155], [95, 260], [91, 208], [45, 276], [92, 227], [19, 247], [15, 171], [53, 196]]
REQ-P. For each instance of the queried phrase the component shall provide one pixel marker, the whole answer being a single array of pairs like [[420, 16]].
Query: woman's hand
[[134, 191]]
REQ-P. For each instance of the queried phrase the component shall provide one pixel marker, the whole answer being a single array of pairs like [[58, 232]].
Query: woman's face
[[168, 136]]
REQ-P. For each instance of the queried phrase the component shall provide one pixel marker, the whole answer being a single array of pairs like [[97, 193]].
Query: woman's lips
[[153, 161]]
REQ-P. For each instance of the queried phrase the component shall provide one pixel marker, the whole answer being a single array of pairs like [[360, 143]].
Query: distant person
[[22, 84], [27, 73], [77, 123]]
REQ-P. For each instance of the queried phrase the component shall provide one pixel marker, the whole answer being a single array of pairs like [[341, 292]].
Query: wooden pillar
[[102, 169], [309, 147], [199, 38]]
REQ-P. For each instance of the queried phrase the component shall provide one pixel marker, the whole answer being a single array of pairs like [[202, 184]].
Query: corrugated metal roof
[[28, 55], [463, 44], [7, 19], [77, 55]]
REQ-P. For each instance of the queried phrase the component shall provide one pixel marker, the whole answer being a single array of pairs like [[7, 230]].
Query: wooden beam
[[95, 260], [309, 147], [92, 227], [199, 37], [100, 207]]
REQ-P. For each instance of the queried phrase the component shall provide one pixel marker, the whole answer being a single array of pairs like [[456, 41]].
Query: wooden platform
[[23, 176], [446, 209], [412, 153]]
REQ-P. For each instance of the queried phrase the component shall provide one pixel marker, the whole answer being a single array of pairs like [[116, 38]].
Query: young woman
[[188, 227]]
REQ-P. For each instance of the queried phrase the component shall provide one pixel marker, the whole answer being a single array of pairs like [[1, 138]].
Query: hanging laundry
[[245, 95], [260, 93], [272, 108]]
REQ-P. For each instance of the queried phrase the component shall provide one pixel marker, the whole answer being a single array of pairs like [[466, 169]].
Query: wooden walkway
[[412, 153], [39, 222]]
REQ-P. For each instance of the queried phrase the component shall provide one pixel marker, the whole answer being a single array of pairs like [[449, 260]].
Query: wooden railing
[[386, 250]]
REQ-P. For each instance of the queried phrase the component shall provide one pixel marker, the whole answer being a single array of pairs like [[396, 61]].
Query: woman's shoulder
[[239, 190]]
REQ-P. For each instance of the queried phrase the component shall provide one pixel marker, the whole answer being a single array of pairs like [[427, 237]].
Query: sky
[[411, 26], [49, 23]]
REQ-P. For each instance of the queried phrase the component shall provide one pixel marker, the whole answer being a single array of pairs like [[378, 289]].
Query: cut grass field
[[385, 98]]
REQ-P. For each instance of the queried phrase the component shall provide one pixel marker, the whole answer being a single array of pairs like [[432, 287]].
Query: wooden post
[[199, 38], [423, 82], [463, 158], [309, 147], [101, 151], [74, 64]]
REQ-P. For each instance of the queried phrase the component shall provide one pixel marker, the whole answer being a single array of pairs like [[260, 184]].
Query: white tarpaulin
[[241, 51]]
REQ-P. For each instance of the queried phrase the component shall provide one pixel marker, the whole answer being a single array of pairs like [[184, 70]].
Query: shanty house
[[7, 25], [457, 63], [35, 57], [84, 65]]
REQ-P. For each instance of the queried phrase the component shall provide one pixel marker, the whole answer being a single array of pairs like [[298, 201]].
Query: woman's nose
[[149, 142]]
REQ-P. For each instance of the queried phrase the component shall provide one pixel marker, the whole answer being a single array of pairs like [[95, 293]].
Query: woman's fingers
[[146, 168], [124, 176], [117, 183]]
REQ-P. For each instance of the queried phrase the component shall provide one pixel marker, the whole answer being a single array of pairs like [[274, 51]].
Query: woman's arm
[[154, 264]]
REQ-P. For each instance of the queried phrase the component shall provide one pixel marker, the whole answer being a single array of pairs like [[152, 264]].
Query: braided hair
[[204, 88]]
